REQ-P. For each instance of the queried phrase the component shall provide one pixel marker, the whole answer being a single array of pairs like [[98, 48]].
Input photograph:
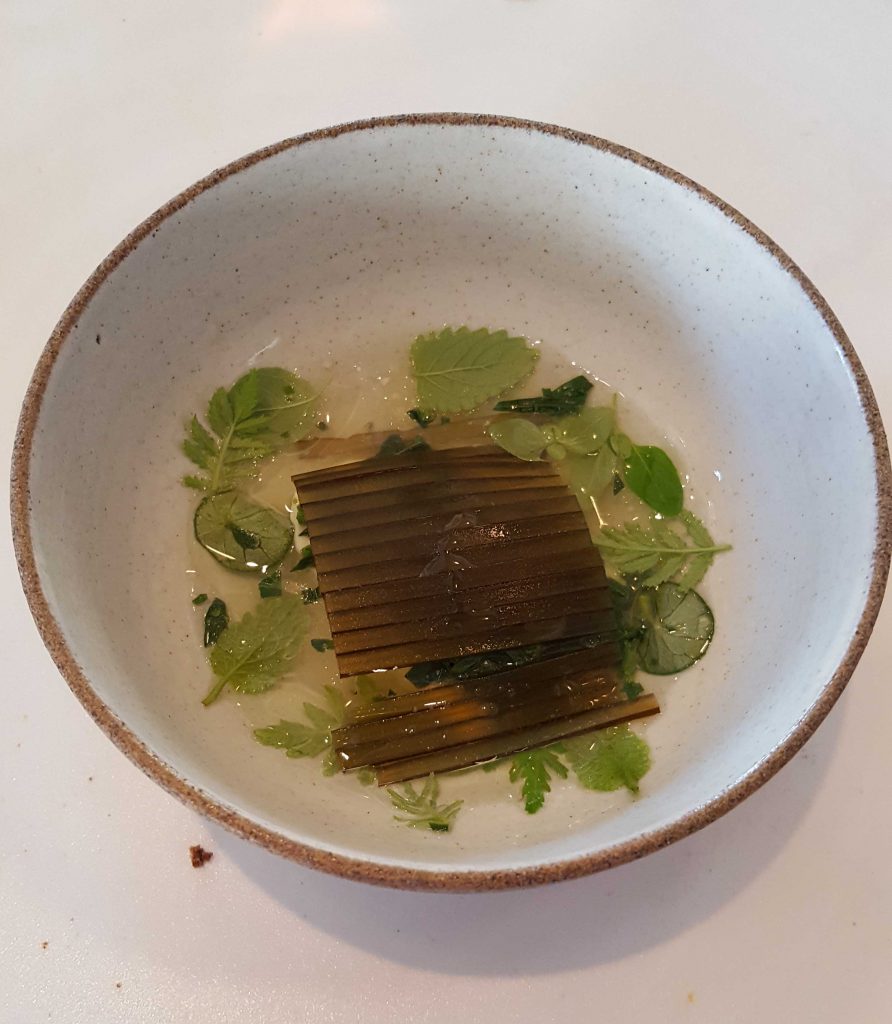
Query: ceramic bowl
[[346, 243]]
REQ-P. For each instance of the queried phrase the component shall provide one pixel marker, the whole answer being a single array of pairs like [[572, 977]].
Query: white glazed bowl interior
[[351, 242]]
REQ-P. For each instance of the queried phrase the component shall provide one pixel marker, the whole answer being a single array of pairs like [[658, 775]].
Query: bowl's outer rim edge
[[447, 880]]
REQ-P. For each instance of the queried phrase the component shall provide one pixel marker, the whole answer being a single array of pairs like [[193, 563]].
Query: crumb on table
[[199, 856]]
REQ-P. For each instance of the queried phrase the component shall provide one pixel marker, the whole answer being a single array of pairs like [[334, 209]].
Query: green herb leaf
[[310, 595], [563, 400], [263, 411], [458, 370], [608, 758], [651, 474], [674, 628], [312, 738], [199, 598], [422, 418], [521, 438], [654, 552], [396, 445], [421, 810], [632, 689], [251, 654], [216, 619], [305, 561], [621, 445], [271, 585], [535, 768], [588, 431], [322, 644], [591, 475], [241, 535]]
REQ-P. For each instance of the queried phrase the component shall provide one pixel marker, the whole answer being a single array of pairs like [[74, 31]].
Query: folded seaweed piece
[[438, 554]]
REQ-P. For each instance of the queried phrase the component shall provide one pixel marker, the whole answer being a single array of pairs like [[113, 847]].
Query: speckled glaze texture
[[342, 243]]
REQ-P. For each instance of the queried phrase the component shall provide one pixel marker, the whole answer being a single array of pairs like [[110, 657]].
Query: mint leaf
[[654, 552], [608, 759], [421, 810], [262, 412], [674, 628], [216, 619], [253, 653], [535, 767], [651, 474], [564, 400], [312, 738], [240, 534], [457, 370], [521, 438]]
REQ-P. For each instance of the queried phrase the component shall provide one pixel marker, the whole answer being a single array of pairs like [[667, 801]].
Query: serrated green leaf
[[264, 410], [609, 759], [240, 534], [421, 810], [654, 552], [300, 739], [521, 438], [535, 768], [457, 370], [252, 654]]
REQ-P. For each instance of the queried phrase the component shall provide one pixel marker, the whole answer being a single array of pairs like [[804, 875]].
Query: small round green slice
[[240, 534], [676, 628]]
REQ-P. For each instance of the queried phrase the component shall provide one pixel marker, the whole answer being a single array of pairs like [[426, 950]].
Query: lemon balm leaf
[[252, 654], [457, 370], [608, 759], [521, 438]]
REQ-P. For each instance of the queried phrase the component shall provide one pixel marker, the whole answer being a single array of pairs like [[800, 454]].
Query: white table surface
[[782, 911]]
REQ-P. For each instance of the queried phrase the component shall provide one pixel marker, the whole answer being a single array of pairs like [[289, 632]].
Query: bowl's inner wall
[[354, 243]]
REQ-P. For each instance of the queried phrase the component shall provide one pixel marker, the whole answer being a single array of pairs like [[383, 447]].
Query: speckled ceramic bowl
[[349, 239]]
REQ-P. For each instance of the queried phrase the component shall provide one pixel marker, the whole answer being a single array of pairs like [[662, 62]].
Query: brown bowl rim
[[368, 871]]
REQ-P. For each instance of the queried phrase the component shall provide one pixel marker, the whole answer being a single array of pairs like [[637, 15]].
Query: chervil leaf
[[300, 739], [252, 654], [521, 438], [534, 767], [421, 810], [608, 759], [262, 412], [458, 369], [653, 552], [240, 534], [564, 400]]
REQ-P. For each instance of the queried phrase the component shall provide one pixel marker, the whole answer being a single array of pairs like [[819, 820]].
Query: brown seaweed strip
[[439, 490], [546, 671], [466, 541], [401, 526], [518, 571], [449, 601], [414, 475], [437, 648], [527, 554], [406, 463], [424, 733], [505, 744], [597, 603]]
